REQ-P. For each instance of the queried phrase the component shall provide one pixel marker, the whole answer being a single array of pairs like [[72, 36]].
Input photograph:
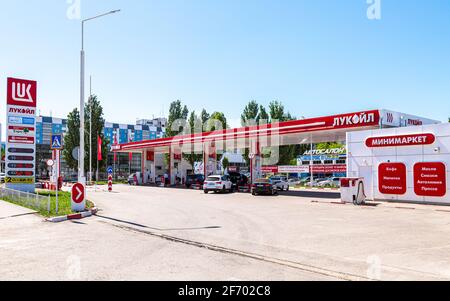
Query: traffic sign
[[78, 193], [110, 182], [57, 142], [76, 153], [78, 197], [110, 170], [50, 162], [251, 156]]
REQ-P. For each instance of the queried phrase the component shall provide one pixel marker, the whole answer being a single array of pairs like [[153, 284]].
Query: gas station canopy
[[304, 131]]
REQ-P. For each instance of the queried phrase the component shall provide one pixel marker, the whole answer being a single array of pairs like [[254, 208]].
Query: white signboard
[[21, 135], [293, 169]]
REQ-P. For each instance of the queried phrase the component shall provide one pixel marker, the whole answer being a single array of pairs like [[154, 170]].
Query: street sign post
[[57, 142], [78, 197], [110, 178]]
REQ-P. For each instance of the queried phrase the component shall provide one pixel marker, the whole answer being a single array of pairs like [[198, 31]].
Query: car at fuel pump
[[218, 184], [264, 186]]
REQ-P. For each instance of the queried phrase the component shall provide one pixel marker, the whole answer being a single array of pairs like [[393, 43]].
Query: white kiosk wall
[[396, 152]]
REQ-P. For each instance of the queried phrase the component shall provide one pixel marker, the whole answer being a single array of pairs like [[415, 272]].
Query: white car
[[280, 182], [335, 182], [218, 184]]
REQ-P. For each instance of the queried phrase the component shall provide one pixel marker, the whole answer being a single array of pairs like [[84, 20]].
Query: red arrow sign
[[78, 193]]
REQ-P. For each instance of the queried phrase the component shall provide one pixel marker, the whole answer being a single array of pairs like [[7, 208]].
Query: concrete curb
[[74, 216]]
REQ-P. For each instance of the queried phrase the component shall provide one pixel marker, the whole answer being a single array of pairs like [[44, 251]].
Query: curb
[[74, 216]]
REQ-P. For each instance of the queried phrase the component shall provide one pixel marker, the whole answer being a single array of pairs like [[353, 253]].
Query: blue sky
[[317, 57]]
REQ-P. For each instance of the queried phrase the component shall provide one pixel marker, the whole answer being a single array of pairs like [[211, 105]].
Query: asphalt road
[[149, 233], [301, 229], [93, 249]]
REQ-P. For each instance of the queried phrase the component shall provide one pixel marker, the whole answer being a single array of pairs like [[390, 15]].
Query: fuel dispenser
[[352, 191]]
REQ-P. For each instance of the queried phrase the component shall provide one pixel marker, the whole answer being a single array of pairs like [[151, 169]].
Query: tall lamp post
[[81, 176]]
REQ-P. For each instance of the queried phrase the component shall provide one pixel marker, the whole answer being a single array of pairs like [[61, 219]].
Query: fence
[[25, 199]]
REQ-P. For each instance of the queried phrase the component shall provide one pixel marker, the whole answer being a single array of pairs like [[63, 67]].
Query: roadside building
[[47, 126]]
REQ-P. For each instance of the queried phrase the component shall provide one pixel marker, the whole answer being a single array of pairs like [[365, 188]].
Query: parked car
[[194, 179], [238, 179], [333, 181], [294, 182], [280, 182], [218, 184], [132, 179], [264, 186]]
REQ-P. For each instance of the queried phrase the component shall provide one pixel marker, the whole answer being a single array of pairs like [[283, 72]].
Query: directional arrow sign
[[78, 197]]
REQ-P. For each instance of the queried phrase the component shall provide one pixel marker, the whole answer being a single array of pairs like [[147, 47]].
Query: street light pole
[[90, 129], [81, 176]]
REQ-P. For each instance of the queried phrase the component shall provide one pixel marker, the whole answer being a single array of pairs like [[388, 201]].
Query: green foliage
[[204, 116], [250, 113], [176, 112], [98, 123], [217, 117], [225, 163], [277, 113], [64, 203], [329, 145], [195, 125], [254, 114], [72, 137]]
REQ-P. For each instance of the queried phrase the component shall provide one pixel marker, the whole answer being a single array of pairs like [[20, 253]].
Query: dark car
[[194, 179], [238, 179], [264, 186]]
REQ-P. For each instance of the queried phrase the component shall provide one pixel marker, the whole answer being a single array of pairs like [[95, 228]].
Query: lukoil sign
[[21, 142]]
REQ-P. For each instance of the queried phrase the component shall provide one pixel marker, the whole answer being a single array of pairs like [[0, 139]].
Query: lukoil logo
[[21, 92]]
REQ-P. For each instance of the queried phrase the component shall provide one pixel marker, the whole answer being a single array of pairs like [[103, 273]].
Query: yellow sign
[[19, 180]]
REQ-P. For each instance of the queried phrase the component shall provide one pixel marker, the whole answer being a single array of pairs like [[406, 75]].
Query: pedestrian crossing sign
[[57, 142]]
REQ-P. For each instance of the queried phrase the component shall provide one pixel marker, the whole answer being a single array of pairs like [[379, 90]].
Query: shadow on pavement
[[313, 194]]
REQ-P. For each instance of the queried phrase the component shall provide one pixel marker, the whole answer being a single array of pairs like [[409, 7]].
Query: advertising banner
[[430, 179], [21, 143], [329, 169], [392, 178]]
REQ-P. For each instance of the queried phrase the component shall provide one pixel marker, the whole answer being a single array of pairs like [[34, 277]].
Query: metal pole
[[312, 165], [56, 178], [81, 177], [90, 129]]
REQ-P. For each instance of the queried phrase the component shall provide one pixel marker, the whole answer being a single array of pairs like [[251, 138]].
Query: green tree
[[98, 124], [251, 112], [217, 121], [204, 116], [72, 138], [287, 153], [329, 145], [195, 125], [225, 163], [176, 112], [263, 117]]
